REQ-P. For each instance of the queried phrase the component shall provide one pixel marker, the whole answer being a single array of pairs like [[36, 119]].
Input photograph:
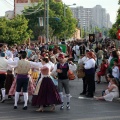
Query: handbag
[[71, 75], [80, 73]]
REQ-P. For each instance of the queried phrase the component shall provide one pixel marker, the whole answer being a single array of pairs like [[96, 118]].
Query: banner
[[41, 21], [91, 38], [118, 34], [63, 47]]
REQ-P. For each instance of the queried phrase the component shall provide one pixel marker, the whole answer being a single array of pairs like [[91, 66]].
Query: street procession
[[44, 72]]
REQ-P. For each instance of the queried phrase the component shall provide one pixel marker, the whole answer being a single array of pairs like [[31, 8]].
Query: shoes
[[68, 107], [96, 98], [89, 96], [98, 82], [40, 109], [15, 107], [83, 93], [2, 101], [62, 107], [25, 108], [0, 97], [9, 97]]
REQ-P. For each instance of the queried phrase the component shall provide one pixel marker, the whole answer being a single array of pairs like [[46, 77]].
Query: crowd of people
[[42, 72]]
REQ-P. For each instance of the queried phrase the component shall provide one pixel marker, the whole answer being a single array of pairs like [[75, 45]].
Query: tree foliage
[[116, 25], [60, 23], [15, 30]]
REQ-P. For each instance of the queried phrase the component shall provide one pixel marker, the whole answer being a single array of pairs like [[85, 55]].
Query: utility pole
[[65, 17], [45, 19], [47, 36], [45, 15]]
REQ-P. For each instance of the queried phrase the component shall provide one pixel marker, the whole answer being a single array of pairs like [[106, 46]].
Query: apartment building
[[92, 17]]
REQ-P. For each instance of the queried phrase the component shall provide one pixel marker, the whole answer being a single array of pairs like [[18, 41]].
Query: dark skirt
[[48, 94], [9, 81]]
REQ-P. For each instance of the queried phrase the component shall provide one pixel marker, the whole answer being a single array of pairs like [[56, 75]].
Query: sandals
[[52, 108], [40, 109]]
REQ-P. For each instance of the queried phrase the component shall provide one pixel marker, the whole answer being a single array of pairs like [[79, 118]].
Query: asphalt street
[[81, 108]]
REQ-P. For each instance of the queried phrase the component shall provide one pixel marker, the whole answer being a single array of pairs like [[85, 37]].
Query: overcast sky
[[110, 5]]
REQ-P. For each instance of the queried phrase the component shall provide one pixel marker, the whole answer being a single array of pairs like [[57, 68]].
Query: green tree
[[32, 13], [113, 30], [15, 30], [59, 23]]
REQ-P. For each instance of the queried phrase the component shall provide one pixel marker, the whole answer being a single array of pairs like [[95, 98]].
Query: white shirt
[[14, 64], [52, 64], [76, 49], [89, 64], [83, 60], [8, 53], [109, 59], [3, 64], [115, 72], [71, 67], [9, 67]]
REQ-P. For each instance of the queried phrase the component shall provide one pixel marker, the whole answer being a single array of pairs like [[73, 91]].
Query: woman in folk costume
[[35, 74], [111, 92], [46, 93], [10, 76], [22, 66], [52, 56], [89, 74]]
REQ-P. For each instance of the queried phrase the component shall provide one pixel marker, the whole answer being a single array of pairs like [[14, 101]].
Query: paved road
[[81, 109]]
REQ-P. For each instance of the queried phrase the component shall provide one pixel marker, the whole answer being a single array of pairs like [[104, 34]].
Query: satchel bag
[[80, 73], [71, 75]]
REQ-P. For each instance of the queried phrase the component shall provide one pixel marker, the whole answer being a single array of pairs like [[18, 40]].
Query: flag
[[91, 38]]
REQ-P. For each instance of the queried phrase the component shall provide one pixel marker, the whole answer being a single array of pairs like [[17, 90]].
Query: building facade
[[20, 5]]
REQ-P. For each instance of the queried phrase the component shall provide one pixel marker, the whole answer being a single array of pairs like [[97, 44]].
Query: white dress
[[111, 95]]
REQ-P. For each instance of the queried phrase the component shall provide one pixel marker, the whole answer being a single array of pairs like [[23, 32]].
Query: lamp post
[[65, 8], [65, 14]]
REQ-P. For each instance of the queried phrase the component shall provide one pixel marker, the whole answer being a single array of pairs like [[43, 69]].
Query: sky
[[111, 6]]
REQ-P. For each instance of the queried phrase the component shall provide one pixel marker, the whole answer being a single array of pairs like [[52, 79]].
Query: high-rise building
[[91, 17]]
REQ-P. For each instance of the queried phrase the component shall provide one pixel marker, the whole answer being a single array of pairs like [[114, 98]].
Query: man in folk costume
[[22, 66], [63, 82], [3, 72]]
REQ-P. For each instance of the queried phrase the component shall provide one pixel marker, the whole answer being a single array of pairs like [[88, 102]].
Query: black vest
[[64, 69]]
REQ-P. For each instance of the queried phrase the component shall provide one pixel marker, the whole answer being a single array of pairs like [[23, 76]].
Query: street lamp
[[66, 6], [65, 14]]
